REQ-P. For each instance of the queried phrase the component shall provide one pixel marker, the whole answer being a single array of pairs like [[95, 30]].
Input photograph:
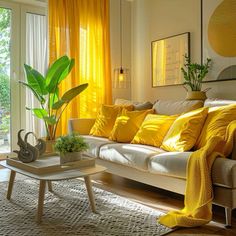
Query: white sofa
[[156, 167]]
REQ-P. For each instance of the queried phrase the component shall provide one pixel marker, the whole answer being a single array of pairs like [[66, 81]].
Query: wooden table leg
[[49, 186], [10, 184], [42, 186], [90, 192]]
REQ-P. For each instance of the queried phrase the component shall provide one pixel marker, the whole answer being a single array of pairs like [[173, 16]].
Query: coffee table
[[84, 172]]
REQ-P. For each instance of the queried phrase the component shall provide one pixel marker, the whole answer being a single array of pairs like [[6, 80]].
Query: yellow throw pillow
[[127, 124], [106, 118], [185, 130], [153, 129], [216, 123]]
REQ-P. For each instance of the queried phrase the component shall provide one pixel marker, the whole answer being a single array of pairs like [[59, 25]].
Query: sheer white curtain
[[37, 57]]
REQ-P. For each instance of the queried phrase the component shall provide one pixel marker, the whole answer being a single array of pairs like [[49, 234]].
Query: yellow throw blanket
[[199, 191]]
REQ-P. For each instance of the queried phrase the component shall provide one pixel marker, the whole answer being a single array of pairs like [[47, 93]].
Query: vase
[[49, 146], [196, 95], [70, 157]]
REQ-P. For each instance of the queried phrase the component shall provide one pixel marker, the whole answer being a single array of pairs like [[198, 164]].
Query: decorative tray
[[49, 163]]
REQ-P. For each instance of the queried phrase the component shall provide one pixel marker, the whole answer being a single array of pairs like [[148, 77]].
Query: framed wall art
[[218, 20], [168, 58]]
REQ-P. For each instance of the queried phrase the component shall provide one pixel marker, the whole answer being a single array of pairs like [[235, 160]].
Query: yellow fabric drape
[[80, 29], [199, 191]]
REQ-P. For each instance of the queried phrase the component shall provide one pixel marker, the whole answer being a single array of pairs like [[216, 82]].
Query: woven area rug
[[67, 212]]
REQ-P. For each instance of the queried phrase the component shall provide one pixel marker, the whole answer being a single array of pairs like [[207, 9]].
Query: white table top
[[60, 175]]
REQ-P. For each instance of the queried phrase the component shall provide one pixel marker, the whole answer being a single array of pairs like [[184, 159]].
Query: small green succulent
[[70, 143]]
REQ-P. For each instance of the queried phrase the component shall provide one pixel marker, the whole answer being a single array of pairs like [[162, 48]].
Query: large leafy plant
[[46, 91], [195, 73]]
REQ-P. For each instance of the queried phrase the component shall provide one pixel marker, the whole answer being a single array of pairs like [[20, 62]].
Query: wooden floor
[[156, 198], [164, 201]]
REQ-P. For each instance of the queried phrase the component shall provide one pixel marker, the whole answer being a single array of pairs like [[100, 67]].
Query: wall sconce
[[121, 80]]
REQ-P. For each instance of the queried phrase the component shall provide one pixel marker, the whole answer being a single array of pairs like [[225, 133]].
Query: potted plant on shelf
[[70, 147], [46, 91], [194, 75]]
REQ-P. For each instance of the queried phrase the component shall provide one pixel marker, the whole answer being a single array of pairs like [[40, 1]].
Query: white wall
[[156, 19]]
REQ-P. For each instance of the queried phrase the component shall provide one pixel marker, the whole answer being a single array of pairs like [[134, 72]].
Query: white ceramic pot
[[70, 157], [196, 95]]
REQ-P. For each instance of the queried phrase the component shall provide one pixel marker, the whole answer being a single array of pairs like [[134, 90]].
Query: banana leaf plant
[[46, 91]]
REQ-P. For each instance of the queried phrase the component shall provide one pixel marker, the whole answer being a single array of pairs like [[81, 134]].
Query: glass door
[[15, 19], [5, 91], [9, 68]]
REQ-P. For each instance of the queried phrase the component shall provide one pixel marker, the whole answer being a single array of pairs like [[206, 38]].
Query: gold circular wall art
[[222, 29]]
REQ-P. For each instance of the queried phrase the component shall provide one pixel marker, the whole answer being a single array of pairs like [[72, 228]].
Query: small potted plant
[[194, 75], [70, 147]]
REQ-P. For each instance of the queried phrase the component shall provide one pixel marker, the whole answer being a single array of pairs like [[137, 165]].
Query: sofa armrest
[[81, 125], [233, 154], [224, 172]]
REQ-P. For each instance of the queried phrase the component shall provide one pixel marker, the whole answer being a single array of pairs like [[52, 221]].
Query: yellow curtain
[[80, 29]]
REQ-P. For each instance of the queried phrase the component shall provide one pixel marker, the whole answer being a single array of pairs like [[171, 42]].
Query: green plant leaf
[[39, 97], [35, 80], [194, 73], [54, 97], [55, 72], [68, 70], [70, 94], [40, 113], [58, 105], [51, 120]]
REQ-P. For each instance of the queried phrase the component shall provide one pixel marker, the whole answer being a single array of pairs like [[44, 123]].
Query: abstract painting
[[219, 38]]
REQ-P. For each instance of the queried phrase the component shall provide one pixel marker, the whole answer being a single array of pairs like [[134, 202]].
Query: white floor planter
[[70, 157]]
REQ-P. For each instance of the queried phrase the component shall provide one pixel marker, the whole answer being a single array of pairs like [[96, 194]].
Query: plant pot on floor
[[70, 157], [196, 95]]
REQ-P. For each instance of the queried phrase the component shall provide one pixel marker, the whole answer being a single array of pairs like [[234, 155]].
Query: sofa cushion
[[169, 163], [153, 129], [137, 105], [133, 155], [106, 118], [216, 123], [94, 144], [143, 106], [174, 164], [170, 107], [127, 124], [185, 130], [121, 101], [216, 102]]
